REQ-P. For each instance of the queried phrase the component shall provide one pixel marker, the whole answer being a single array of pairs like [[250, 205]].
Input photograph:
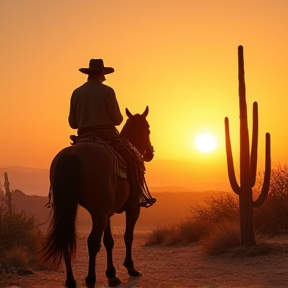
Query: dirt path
[[172, 267]]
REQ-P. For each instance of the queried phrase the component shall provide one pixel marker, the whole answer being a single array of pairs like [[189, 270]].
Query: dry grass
[[224, 236], [185, 232], [17, 257], [190, 231], [159, 235]]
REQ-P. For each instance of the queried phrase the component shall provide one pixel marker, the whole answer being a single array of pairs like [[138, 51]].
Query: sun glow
[[205, 143]]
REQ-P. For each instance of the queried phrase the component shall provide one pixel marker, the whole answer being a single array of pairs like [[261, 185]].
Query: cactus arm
[[266, 184], [254, 144], [231, 173]]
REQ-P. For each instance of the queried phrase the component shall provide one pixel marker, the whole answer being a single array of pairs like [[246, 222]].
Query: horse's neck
[[131, 137]]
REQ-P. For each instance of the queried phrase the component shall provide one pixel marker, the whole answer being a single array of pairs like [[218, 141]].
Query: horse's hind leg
[[70, 280], [132, 215], [99, 222], [109, 244]]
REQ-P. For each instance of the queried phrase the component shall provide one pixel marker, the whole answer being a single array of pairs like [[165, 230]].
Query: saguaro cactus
[[8, 198], [248, 162]]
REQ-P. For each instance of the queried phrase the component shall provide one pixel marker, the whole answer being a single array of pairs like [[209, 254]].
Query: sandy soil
[[172, 267]]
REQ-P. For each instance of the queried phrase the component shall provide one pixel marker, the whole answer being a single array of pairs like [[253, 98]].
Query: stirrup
[[147, 203]]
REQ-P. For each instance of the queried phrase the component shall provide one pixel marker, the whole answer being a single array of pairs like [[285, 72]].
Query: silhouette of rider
[[94, 110], [93, 105]]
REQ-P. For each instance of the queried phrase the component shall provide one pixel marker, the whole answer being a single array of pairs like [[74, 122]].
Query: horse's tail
[[61, 237]]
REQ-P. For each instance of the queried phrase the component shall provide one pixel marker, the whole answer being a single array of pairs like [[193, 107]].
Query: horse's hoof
[[133, 272], [70, 283], [114, 281], [90, 282]]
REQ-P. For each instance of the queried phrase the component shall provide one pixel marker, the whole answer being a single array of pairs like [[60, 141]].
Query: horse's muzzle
[[148, 156]]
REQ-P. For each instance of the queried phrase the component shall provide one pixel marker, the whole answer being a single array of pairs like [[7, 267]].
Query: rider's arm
[[72, 119], [113, 108]]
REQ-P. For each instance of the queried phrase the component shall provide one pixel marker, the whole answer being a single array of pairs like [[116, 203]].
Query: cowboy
[[93, 105], [95, 112]]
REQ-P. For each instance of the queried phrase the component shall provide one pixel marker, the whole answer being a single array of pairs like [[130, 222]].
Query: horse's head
[[136, 130]]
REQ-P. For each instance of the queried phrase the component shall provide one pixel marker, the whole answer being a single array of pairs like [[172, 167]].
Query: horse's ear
[[145, 113], [128, 113]]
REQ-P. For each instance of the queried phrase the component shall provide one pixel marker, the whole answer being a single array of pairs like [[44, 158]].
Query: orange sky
[[179, 57]]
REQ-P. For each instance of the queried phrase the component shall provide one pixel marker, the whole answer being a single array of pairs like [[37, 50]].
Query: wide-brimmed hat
[[96, 65]]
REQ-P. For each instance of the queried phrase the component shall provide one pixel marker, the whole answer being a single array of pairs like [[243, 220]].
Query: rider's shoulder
[[81, 87], [107, 87]]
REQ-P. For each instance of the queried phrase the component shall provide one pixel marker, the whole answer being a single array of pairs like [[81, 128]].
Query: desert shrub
[[192, 230], [17, 229], [217, 209], [224, 236], [159, 235], [272, 216], [20, 239], [185, 232], [17, 257]]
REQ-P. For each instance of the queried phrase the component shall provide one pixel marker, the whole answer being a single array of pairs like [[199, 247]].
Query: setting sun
[[206, 143]]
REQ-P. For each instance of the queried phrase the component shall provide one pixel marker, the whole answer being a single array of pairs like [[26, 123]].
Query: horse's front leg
[[109, 244], [132, 215]]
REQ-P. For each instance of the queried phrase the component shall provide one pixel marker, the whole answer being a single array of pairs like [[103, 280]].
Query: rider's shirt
[[94, 104]]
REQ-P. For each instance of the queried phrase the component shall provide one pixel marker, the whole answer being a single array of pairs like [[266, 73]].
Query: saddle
[[120, 166]]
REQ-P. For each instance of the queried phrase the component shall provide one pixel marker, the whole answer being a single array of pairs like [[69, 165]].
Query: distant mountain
[[32, 205], [170, 208], [32, 181], [161, 176], [169, 189]]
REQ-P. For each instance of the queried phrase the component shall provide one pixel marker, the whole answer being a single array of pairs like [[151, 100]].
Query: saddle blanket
[[120, 166]]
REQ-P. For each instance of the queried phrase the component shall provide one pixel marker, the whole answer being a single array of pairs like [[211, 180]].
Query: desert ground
[[171, 267], [162, 267]]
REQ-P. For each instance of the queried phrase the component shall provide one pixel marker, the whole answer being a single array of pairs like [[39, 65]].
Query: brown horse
[[84, 174]]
